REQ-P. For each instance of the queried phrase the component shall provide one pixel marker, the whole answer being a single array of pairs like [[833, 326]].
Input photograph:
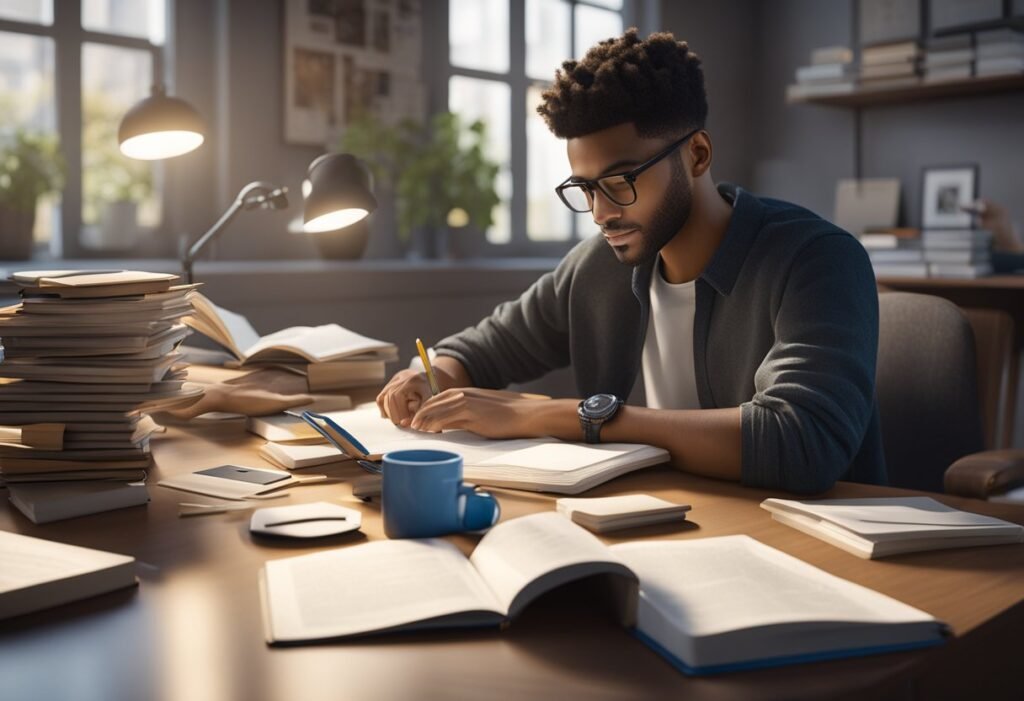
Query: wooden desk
[[193, 629]]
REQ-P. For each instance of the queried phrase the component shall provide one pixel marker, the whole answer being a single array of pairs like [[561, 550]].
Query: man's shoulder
[[788, 228]]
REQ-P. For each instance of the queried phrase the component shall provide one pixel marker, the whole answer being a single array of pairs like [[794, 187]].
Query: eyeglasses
[[620, 188]]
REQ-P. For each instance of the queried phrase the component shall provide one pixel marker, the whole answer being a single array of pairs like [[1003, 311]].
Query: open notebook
[[538, 464]]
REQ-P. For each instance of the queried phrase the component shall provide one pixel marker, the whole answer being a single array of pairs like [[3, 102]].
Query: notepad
[[605, 514], [538, 464], [873, 528]]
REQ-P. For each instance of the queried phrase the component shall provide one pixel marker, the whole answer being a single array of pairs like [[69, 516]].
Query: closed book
[[969, 271], [43, 503], [948, 73], [888, 70], [709, 605], [904, 51], [808, 90], [999, 66], [897, 255], [900, 269], [39, 574], [607, 514], [824, 71], [873, 528], [831, 54]]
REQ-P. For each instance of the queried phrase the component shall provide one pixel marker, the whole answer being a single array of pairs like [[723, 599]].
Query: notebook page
[[554, 457], [371, 587], [516, 553]]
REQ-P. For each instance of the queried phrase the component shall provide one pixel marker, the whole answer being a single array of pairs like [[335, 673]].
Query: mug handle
[[480, 510]]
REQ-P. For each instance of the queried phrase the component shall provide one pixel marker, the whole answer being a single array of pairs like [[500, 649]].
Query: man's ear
[[699, 151]]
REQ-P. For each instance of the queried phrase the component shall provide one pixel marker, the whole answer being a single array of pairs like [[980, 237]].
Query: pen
[[434, 390]]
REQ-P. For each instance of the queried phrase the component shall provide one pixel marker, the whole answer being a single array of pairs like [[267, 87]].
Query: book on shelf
[[311, 343], [709, 605], [896, 255], [831, 54], [875, 238], [880, 527], [56, 501], [539, 464], [896, 52], [806, 90], [965, 271], [39, 574], [956, 239], [823, 72], [900, 269]]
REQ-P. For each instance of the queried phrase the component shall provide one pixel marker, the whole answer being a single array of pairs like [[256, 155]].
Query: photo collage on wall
[[346, 57]]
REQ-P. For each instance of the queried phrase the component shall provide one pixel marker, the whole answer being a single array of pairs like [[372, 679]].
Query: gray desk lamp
[[337, 187]]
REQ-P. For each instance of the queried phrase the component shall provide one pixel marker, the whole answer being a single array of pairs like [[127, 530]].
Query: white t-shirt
[[669, 379]]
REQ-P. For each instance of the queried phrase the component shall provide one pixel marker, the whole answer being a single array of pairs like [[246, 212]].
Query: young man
[[754, 321]]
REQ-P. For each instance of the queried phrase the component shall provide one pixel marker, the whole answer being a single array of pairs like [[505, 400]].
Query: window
[[95, 58], [502, 55]]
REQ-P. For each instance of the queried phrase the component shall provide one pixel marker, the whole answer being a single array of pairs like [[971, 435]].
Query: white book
[[44, 503], [904, 255], [900, 269], [967, 271], [722, 604], [38, 574], [710, 605], [823, 72], [313, 343], [872, 528], [539, 464]]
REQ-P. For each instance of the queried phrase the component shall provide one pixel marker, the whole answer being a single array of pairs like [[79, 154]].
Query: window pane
[[118, 193], [27, 103], [594, 25], [478, 34], [488, 101], [134, 18], [613, 4], [547, 219], [547, 37], [38, 11]]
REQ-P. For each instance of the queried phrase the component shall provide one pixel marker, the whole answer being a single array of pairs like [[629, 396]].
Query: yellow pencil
[[434, 389]]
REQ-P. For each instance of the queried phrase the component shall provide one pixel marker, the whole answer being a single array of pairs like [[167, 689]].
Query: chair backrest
[[993, 342], [927, 388]]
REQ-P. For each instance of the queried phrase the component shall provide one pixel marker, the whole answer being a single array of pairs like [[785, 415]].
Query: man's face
[[636, 233]]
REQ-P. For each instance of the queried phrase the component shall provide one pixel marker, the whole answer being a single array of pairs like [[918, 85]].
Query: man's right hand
[[402, 397]]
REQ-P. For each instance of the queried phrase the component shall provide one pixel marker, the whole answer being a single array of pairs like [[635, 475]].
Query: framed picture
[[944, 192], [343, 58]]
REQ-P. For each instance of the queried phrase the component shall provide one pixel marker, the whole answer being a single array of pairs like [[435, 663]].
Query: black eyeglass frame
[[589, 186]]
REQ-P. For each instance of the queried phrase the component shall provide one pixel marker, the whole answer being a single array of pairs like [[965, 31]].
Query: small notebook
[[604, 514], [873, 528]]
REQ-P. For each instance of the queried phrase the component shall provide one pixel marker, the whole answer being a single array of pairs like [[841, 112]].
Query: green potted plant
[[443, 182], [113, 185], [30, 167]]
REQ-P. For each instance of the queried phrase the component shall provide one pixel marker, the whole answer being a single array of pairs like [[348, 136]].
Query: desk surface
[[193, 628]]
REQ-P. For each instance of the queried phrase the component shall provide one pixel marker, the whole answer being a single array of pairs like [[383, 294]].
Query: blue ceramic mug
[[423, 496]]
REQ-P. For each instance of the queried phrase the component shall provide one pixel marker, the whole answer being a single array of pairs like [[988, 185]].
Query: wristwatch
[[594, 412]]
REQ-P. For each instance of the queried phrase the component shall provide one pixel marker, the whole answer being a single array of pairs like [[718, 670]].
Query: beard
[[670, 216]]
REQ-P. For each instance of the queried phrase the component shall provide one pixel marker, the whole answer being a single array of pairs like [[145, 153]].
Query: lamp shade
[[160, 127], [339, 193]]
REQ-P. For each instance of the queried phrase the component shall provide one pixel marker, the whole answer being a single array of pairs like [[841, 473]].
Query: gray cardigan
[[786, 327]]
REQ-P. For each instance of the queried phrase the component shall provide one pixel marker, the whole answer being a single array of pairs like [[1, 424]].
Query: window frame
[[69, 36], [520, 245]]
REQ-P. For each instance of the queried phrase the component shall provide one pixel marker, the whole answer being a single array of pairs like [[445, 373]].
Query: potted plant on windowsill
[[443, 182], [113, 185], [30, 167]]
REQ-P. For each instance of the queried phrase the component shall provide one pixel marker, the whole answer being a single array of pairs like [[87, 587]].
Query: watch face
[[600, 404]]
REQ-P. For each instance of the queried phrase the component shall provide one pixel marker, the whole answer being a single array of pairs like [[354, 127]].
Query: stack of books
[[330, 357], [890, 65], [895, 252], [831, 73], [949, 58], [1000, 52], [92, 352], [958, 253]]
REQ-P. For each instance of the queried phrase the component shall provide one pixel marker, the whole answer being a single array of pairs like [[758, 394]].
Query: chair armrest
[[982, 474]]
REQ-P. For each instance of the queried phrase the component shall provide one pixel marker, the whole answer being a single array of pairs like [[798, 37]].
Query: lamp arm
[[244, 199]]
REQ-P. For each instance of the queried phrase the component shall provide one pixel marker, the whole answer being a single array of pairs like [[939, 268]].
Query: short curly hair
[[655, 83]]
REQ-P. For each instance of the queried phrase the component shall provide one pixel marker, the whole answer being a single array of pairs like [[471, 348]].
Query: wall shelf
[[958, 88]]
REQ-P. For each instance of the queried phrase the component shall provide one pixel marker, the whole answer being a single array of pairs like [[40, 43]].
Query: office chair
[[929, 402]]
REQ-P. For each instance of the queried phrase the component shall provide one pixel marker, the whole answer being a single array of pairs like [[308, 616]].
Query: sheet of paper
[[554, 457]]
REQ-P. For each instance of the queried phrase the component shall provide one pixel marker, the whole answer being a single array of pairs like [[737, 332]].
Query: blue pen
[[313, 420]]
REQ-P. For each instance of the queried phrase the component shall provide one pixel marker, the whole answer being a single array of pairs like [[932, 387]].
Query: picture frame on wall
[[945, 191]]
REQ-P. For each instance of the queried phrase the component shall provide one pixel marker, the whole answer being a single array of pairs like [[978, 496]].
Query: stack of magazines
[[91, 352]]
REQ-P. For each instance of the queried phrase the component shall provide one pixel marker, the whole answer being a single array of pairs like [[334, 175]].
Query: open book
[[539, 464], [709, 605], [312, 343], [872, 528]]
